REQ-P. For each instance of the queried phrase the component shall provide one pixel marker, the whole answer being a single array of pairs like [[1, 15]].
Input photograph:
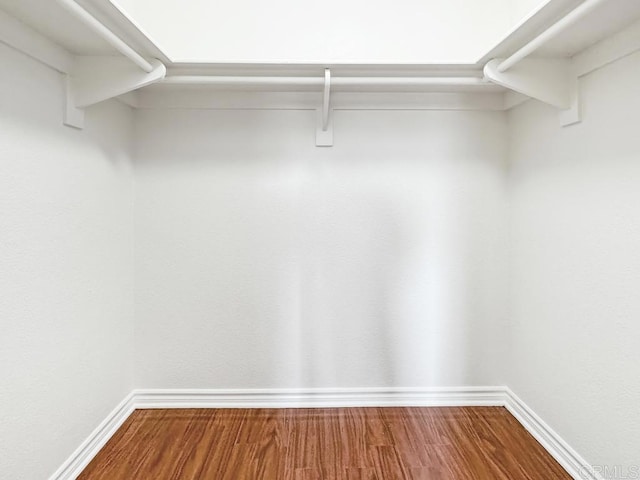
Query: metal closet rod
[[572, 17], [90, 21], [223, 80]]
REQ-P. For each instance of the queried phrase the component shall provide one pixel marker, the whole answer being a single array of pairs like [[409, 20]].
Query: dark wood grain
[[323, 444]]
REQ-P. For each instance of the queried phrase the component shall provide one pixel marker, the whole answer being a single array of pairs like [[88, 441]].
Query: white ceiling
[[327, 32]]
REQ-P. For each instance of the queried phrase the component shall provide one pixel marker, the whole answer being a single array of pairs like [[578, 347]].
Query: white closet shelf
[[55, 21], [540, 58]]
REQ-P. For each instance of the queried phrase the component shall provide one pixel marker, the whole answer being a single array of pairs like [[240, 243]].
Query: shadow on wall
[[373, 287]]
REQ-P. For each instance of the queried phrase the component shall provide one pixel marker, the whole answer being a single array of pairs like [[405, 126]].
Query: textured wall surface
[[264, 261], [66, 282], [576, 267]]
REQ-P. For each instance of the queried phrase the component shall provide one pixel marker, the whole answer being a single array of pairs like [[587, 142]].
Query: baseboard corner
[[79, 459], [559, 449]]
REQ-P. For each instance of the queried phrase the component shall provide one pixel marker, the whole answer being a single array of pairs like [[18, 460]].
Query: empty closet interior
[[246, 204]]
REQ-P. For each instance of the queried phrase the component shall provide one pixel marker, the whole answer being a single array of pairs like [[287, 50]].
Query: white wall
[[66, 308], [332, 31], [264, 261], [576, 267]]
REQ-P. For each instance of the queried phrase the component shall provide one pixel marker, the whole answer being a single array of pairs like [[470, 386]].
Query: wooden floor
[[305, 444]]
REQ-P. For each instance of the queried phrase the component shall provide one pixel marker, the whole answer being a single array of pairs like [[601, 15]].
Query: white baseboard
[[566, 456], [92, 445], [573, 463], [325, 397]]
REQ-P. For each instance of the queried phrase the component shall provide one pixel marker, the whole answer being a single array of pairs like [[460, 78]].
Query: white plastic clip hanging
[[324, 130]]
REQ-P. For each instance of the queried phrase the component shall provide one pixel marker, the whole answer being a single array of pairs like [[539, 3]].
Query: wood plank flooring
[[323, 444]]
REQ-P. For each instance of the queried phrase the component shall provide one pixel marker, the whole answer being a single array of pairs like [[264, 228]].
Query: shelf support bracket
[[324, 128], [551, 81], [96, 79]]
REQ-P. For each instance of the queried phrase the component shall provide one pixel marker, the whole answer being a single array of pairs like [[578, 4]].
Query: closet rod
[[572, 17], [90, 21], [319, 81]]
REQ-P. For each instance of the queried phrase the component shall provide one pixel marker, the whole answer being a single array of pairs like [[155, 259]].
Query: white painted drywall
[[264, 261], [66, 247], [574, 355], [332, 31]]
